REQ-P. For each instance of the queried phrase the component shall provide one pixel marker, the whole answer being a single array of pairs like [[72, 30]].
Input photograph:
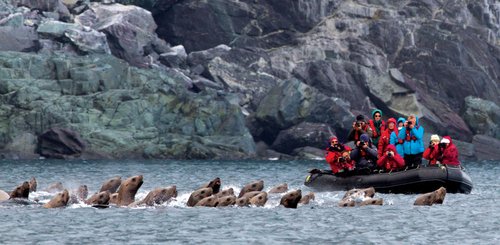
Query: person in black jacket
[[365, 155]]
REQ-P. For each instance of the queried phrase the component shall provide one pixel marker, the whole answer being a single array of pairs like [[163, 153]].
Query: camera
[[361, 144], [442, 145], [341, 159], [409, 123], [358, 124], [390, 154]]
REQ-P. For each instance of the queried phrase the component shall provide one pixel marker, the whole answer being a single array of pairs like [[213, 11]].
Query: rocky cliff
[[241, 79]]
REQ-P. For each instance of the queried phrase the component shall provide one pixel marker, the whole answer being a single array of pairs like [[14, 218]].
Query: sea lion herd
[[115, 192]]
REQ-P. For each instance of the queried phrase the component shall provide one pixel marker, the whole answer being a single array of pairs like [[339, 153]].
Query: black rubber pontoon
[[421, 180]]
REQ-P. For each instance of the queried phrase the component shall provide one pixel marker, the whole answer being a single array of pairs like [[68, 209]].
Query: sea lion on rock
[[307, 198], [59, 200], [259, 200], [227, 200], [198, 195], [55, 187], [157, 196], [210, 201], [111, 185], [291, 199], [214, 184], [21, 191], [435, 197], [101, 198], [128, 189], [226, 192], [281, 188], [4, 195], [33, 184], [372, 201], [253, 186]]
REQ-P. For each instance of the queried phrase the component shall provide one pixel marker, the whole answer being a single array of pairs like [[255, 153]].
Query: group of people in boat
[[380, 146]]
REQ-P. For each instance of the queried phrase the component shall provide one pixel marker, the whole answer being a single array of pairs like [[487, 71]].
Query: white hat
[[435, 137], [445, 140]]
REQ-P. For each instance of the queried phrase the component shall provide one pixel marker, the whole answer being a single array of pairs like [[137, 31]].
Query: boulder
[[87, 40], [482, 116], [486, 147], [60, 143], [130, 31], [23, 39]]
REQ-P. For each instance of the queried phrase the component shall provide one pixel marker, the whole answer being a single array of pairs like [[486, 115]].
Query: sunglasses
[[377, 116]]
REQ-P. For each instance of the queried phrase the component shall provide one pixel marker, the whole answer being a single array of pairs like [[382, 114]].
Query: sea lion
[[21, 191], [214, 184], [364, 193], [157, 196], [227, 200], [59, 200], [33, 184], [291, 199], [347, 203], [435, 197], [197, 195], [210, 201], [307, 198], [252, 194], [81, 194], [113, 198], [257, 185], [99, 199], [226, 192], [4, 195], [259, 200], [111, 185], [128, 189], [242, 201], [281, 188], [55, 187], [372, 201]]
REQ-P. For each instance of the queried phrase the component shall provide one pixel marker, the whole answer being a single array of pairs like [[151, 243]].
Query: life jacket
[[375, 134]]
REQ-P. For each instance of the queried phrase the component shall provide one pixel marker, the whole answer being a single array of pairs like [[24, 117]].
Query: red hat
[[333, 138], [391, 120], [390, 148]]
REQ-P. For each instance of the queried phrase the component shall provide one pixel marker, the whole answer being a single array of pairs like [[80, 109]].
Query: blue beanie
[[364, 138]]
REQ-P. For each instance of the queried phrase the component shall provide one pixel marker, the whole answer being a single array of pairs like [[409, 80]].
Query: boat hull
[[421, 180]]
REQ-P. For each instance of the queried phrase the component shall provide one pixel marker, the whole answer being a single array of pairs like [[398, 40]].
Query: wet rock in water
[[60, 143]]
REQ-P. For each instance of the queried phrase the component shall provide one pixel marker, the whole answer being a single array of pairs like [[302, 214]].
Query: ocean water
[[461, 219]]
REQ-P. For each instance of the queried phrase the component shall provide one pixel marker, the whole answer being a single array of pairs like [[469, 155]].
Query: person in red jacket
[[447, 153], [385, 138], [391, 160], [433, 147], [337, 156]]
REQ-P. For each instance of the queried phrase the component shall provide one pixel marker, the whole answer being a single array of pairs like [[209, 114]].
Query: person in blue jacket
[[393, 140], [413, 145]]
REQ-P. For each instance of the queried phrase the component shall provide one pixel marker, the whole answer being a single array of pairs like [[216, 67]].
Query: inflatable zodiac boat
[[420, 180]]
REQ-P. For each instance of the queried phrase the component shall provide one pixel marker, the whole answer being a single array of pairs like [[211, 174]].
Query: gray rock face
[[302, 135], [118, 110], [486, 147], [482, 116], [18, 39]]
